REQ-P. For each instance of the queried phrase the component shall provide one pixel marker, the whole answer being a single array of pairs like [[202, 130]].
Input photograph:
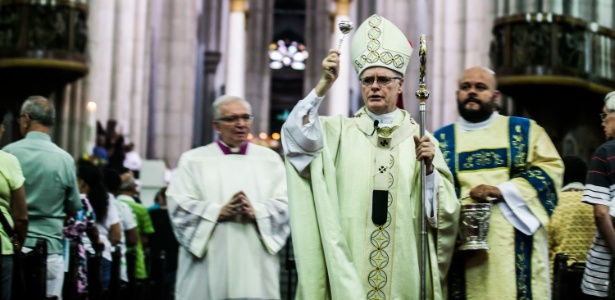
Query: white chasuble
[[341, 252], [228, 260]]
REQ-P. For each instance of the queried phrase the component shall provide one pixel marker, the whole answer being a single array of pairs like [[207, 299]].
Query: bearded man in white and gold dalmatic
[[354, 184], [511, 162]]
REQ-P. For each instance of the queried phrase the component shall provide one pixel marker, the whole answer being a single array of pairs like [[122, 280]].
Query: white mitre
[[379, 43]]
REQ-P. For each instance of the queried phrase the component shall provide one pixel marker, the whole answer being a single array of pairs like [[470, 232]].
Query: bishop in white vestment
[[229, 209], [355, 187]]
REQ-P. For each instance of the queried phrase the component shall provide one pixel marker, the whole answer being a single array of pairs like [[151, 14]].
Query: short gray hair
[[609, 101], [40, 109], [225, 99], [128, 184]]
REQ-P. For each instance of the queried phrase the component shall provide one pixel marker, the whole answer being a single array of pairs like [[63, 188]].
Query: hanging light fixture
[[283, 54]]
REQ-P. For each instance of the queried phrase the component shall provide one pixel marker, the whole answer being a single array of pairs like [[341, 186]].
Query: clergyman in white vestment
[[229, 209], [355, 187]]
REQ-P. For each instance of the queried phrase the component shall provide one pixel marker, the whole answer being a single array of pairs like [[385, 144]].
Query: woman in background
[[107, 218], [84, 222]]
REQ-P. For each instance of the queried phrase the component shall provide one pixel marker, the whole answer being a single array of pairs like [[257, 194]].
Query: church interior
[[154, 67]]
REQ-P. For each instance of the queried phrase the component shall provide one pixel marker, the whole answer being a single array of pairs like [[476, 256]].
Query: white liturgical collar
[[465, 125], [384, 119]]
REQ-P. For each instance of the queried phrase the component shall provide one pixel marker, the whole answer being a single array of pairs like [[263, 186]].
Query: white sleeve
[[272, 216], [113, 217], [515, 209], [432, 181], [303, 142], [128, 220]]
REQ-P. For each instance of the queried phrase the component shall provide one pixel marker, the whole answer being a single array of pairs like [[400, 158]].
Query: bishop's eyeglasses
[[382, 80], [234, 119]]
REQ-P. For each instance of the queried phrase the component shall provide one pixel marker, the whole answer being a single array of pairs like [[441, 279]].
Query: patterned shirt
[[74, 229], [571, 229], [599, 189]]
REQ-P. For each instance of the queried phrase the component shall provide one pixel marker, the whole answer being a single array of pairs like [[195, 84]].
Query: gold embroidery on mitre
[[373, 56]]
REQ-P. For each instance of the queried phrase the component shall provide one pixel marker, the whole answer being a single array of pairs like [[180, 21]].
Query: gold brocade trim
[[386, 131], [482, 159], [446, 153], [379, 258], [373, 56], [517, 143], [522, 270]]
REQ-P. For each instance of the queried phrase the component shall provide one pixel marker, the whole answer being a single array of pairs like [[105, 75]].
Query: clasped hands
[[237, 209]]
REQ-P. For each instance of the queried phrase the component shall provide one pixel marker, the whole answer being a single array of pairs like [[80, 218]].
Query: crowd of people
[[79, 218], [349, 190]]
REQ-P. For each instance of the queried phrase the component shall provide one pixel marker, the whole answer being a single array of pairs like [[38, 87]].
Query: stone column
[[123, 58], [70, 121], [212, 59], [555, 6], [413, 27], [478, 25], [210, 29], [317, 41], [235, 60], [604, 11], [339, 94], [101, 22], [78, 141], [90, 121], [530, 6], [63, 122], [575, 9], [176, 70], [139, 92], [447, 51], [258, 73]]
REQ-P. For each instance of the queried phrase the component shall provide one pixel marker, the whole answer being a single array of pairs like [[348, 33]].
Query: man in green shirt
[[50, 186]]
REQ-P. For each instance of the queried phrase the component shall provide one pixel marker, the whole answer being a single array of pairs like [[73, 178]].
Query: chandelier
[[284, 54]]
